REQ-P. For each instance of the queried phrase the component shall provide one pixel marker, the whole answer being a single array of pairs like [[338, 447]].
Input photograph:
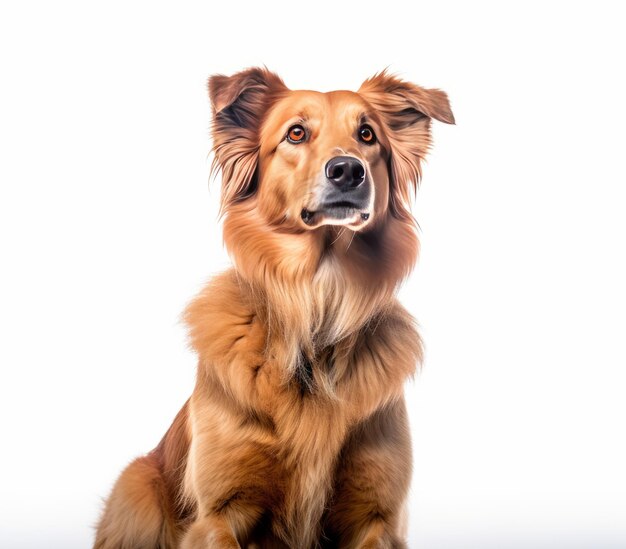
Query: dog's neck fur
[[316, 288]]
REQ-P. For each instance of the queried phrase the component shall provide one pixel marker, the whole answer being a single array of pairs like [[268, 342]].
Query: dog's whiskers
[[351, 239], [341, 231]]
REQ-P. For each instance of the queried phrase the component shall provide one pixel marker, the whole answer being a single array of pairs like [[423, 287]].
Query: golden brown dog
[[296, 432]]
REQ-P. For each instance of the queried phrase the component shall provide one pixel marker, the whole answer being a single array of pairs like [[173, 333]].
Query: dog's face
[[304, 172], [323, 161]]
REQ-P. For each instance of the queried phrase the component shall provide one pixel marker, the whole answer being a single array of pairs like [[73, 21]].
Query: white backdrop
[[108, 227]]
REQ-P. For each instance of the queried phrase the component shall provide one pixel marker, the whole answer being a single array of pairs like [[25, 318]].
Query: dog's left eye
[[367, 135], [296, 134]]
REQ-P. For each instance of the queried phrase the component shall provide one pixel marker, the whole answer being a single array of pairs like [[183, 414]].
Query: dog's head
[[304, 163]]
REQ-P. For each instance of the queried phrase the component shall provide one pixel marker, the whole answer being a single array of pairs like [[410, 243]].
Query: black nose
[[346, 172]]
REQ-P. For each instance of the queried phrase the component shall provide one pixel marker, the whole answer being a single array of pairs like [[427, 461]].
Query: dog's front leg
[[225, 521], [212, 532], [371, 484], [228, 474]]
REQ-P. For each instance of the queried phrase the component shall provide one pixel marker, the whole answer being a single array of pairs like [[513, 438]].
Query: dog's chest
[[267, 453], [309, 443]]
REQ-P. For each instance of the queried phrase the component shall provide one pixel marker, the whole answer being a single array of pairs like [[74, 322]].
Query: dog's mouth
[[335, 213]]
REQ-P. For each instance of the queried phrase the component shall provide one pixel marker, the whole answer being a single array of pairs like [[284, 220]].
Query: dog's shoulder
[[217, 314]]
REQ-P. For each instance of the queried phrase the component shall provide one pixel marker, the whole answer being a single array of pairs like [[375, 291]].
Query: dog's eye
[[367, 135], [296, 134]]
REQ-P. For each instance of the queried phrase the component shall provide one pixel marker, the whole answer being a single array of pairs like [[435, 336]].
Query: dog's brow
[[299, 118]]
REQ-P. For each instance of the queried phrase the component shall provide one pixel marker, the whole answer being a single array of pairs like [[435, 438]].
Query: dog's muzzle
[[346, 196]]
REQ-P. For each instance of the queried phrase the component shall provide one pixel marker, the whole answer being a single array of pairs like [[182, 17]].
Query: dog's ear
[[406, 111], [239, 103]]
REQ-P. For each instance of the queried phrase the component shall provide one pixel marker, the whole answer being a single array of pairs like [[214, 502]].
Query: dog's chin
[[343, 215]]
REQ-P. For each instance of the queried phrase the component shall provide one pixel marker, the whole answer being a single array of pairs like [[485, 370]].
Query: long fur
[[296, 432]]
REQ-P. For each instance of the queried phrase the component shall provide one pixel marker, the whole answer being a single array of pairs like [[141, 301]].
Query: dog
[[296, 432]]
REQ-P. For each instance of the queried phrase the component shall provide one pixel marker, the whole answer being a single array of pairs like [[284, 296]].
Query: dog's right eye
[[296, 134]]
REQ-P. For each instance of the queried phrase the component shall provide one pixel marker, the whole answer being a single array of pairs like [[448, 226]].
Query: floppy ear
[[239, 103], [406, 111]]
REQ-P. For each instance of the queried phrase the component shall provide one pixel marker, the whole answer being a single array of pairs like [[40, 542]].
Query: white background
[[108, 228]]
